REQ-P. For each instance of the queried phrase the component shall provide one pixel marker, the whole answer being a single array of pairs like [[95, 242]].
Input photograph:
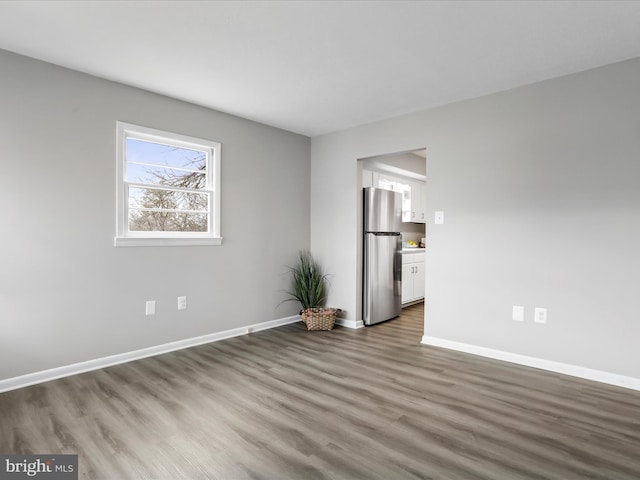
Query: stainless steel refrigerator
[[382, 289]]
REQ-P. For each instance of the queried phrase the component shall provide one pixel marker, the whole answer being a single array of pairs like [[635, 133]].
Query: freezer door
[[382, 277], [382, 210]]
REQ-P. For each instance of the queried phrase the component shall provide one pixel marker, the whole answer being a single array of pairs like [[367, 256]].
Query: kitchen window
[[168, 188]]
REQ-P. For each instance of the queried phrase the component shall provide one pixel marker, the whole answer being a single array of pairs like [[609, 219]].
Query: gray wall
[[66, 294], [539, 186]]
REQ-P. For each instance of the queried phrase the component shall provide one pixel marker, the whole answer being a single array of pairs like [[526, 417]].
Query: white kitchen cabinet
[[422, 210], [412, 277], [407, 282], [417, 203], [418, 280]]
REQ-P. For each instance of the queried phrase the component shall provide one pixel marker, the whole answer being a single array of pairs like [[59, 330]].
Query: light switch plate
[[439, 220], [518, 313], [150, 307]]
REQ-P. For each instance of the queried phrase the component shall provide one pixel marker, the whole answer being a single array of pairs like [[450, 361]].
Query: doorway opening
[[404, 172]]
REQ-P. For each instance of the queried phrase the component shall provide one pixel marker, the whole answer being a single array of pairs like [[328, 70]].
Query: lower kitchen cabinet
[[412, 277]]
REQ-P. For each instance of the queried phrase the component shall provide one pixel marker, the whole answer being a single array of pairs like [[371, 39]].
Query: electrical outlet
[[540, 315], [518, 313], [150, 307], [182, 303]]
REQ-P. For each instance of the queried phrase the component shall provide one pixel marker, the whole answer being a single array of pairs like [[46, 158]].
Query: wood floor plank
[[344, 404]]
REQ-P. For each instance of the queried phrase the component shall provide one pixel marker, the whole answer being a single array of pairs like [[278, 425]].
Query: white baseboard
[[68, 370], [558, 367], [343, 322]]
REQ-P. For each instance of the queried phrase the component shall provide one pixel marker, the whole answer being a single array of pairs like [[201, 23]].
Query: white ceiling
[[316, 67]]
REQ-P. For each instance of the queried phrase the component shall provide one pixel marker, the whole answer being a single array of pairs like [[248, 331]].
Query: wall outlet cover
[[540, 315], [182, 303]]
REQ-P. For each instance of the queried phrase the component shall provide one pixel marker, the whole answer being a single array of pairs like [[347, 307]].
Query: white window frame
[[126, 238]]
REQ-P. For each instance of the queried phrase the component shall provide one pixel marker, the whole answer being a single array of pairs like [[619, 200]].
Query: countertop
[[413, 250]]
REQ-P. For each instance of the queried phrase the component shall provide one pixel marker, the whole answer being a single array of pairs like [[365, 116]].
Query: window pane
[[160, 154], [167, 199], [143, 221], [167, 186], [165, 176]]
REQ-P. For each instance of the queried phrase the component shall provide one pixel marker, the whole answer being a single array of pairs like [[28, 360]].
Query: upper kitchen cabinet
[[418, 200]]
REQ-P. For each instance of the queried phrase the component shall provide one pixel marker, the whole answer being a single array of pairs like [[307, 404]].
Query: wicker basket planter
[[319, 318]]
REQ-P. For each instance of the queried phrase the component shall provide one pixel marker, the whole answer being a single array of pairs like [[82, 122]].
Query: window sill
[[165, 242]]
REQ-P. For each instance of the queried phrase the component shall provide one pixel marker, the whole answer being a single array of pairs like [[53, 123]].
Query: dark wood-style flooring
[[345, 404]]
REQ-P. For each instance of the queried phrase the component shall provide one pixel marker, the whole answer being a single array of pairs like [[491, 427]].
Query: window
[[168, 188]]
